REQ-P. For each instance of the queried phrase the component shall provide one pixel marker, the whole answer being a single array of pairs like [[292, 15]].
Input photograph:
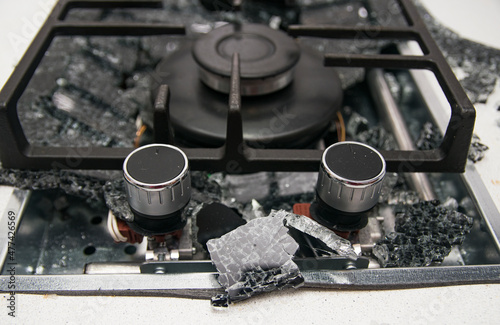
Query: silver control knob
[[158, 183], [350, 177]]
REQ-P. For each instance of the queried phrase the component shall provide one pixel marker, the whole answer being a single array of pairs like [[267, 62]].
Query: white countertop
[[458, 304]]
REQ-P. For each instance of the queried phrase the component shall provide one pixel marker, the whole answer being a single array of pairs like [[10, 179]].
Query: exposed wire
[[341, 128], [139, 134]]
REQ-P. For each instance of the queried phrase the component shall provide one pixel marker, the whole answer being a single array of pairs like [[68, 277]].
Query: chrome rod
[[389, 111]]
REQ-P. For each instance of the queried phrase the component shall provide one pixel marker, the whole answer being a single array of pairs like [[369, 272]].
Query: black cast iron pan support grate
[[234, 156], [451, 156]]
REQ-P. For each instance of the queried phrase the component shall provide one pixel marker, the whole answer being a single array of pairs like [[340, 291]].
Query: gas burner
[[281, 119], [267, 58]]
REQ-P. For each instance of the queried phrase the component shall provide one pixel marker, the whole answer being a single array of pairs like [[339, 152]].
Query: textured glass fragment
[[424, 234], [430, 137], [341, 246], [477, 64], [477, 149], [116, 199], [72, 183], [255, 258], [377, 137]]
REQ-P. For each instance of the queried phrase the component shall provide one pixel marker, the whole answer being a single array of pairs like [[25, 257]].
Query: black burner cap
[[155, 164], [264, 52]]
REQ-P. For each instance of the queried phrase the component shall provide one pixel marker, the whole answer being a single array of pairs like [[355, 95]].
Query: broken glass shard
[[377, 137], [289, 183], [116, 199], [71, 183], [215, 220], [255, 258], [339, 245], [477, 149], [430, 137], [424, 234], [253, 210]]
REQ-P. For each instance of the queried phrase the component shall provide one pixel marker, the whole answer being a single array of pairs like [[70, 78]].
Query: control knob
[[158, 188], [349, 184]]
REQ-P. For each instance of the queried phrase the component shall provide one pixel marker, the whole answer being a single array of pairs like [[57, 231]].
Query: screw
[[350, 266], [160, 270]]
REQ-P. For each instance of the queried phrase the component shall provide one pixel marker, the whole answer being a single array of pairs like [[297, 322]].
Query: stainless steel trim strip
[[16, 202]]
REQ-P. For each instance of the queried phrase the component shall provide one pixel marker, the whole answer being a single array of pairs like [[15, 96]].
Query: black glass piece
[[216, 220]]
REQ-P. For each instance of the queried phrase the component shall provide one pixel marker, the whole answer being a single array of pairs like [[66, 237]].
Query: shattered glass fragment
[[341, 246], [71, 183], [116, 199], [93, 75], [253, 210], [265, 280], [238, 186], [95, 115], [378, 138], [136, 98], [101, 76], [450, 204], [388, 185], [95, 190], [479, 64], [290, 183], [84, 15], [477, 149], [356, 124], [120, 54], [157, 48], [394, 86], [424, 234], [280, 190], [206, 188], [468, 207], [278, 200], [62, 129], [430, 137], [403, 198], [255, 258]]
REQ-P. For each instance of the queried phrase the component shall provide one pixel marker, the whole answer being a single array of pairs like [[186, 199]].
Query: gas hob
[[273, 167]]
